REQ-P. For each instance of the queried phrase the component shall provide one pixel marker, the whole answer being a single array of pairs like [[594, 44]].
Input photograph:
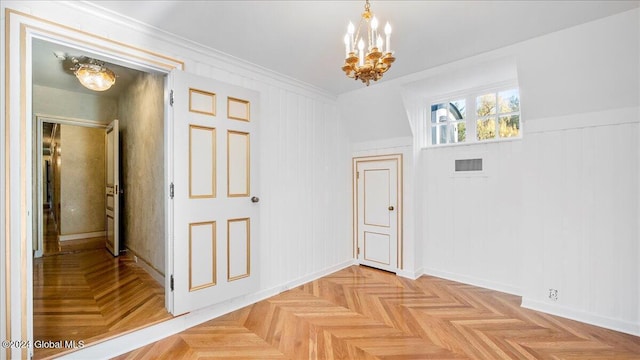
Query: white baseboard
[[582, 316], [78, 236], [133, 340], [409, 274], [492, 285], [565, 312]]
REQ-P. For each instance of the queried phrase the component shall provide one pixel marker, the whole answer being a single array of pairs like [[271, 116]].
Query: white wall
[[382, 116], [304, 158], [580, 204], [559, 208]]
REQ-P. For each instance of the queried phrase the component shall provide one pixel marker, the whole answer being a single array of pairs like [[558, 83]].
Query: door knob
[[255, 199], [390, 207]]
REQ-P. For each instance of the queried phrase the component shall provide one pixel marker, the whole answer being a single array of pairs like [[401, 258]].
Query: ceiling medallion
[[376, 61]]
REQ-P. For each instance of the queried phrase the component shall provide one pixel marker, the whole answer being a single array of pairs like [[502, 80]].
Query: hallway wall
[[82, 174], [141, 115]]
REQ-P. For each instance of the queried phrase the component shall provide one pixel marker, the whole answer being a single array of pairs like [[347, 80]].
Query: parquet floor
[[363, 313], [91, 296]]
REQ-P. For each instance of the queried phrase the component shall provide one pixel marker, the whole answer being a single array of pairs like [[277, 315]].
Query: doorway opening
[[82, 292]]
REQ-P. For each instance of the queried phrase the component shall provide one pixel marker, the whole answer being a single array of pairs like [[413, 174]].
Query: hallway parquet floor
[[363, 313], [91, 296]]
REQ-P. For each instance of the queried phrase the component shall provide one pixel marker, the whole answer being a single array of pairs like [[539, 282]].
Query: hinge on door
[[358, 251], [171, 282], [171, 98], [171, 191], [357, 174]]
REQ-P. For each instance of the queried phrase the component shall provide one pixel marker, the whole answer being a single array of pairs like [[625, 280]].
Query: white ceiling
[[303, 39], [50, 71]]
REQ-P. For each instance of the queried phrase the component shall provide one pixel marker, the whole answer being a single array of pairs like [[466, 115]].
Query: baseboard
[[582, 316], [79, 236], [146, 266], [409, 274], [318, 274], [492, 285], [133, 340]]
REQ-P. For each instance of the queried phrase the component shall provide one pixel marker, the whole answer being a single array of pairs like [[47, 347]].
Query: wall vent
[[469, 165]]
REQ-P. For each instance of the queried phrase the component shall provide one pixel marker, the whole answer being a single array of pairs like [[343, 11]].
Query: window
[[448, 122], [496, 117]]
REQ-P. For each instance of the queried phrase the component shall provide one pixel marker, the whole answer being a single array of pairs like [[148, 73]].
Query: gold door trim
[[247, 165], [213, 256], [247, 103], [213, 165], [205, 93], [248, 254]]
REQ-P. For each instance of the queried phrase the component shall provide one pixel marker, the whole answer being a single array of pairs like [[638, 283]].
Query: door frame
[[18, 182], [37, 168], [400, 207]]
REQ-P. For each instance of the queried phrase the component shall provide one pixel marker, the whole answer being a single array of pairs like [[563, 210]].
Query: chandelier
[[92, 74], [376, 61]]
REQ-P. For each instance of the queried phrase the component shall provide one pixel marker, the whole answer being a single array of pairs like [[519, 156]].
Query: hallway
[[83, 293]]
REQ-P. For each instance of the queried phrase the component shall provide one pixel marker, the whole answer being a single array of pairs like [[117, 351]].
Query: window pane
[[486, 105], [509, 101], [486, 129], [442, 134], [439, 113], [434, 135], [509, 126], [457, 132], [458, 109], [434, 111]]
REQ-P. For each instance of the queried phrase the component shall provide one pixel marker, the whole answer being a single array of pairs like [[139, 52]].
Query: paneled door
[[378, 212], [215, 180], [113, 188]]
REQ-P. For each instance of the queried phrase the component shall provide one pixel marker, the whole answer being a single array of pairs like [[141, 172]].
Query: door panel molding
[[213, 263], [397, 208]]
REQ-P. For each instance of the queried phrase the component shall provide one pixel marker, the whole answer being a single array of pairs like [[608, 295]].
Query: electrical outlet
[[553, 294]]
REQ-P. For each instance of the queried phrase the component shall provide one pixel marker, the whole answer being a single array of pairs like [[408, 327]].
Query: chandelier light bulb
[[387, 32], [361, 52], [346, 45]]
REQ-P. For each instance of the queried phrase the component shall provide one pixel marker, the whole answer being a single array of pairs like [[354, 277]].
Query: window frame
[[470, 97]]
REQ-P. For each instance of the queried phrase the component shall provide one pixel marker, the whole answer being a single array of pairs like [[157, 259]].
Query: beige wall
[[141, 118], [56, 102], [82, 180]]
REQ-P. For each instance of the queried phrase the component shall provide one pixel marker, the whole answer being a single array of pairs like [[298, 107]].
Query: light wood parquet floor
[[89, 295], [363, 313]]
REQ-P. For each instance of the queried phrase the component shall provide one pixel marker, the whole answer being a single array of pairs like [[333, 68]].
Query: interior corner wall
[[403, 146], [580, 175], [141, 121], [559, 208]]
